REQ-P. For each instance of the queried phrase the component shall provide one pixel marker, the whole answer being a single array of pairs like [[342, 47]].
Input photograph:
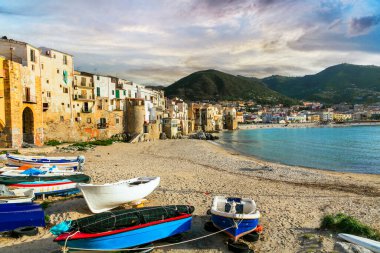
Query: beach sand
[[292, 200]]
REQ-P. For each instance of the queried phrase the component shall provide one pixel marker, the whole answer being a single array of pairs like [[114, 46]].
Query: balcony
[[84, 86], [29, 99], [83, 98], [102, 125]]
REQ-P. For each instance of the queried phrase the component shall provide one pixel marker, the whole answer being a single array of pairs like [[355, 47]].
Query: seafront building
[[42, 98]]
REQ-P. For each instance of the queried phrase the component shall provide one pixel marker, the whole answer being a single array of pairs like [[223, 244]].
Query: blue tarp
[[33, 172]]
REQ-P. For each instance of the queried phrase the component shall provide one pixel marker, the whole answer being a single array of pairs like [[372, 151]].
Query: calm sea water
[[349, 149]]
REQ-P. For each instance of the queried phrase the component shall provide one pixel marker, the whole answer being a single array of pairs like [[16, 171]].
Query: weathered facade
[[20, 106]]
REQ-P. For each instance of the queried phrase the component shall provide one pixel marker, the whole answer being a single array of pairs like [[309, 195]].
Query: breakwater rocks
[[203, 136]]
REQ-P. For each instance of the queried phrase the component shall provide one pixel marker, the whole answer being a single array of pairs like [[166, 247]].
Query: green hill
[[215, 85], [339, 83]]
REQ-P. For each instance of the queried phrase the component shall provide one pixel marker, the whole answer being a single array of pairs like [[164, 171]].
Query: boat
[[236, 216], [45, 167], [19, 215], [124, 228], [15, 195], [37, 161], [361, 241], [104, 197], [48, 184]]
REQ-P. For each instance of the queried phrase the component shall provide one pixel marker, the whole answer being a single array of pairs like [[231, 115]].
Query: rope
[[160, 246]]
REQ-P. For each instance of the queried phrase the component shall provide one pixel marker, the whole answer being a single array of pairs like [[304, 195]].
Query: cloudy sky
[[160, 41]]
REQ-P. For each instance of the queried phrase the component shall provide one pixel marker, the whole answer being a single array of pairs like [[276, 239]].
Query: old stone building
[[21, 118], [57, 72]]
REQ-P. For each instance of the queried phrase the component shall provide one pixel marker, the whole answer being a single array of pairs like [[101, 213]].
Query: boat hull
[[364, 242], [101, 198], [62, 187], [19, 215], [133, 236], [17, 161], [244, 226]]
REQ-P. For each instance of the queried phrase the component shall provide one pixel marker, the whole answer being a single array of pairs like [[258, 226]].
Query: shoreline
[[304, 125]]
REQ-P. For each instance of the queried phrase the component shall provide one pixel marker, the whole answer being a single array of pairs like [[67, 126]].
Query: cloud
[[362, 25]]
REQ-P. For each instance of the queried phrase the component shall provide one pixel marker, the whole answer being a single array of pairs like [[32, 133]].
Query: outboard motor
[[81, 159]]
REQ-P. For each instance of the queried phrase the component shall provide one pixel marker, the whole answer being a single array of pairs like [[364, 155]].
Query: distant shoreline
[[305, 125]]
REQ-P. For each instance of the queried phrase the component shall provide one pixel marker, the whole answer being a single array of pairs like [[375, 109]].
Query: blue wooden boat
[[125, 228], [238, 216], [17, 215]]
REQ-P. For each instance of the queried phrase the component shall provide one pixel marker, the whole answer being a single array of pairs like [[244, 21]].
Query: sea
[[347, 149]]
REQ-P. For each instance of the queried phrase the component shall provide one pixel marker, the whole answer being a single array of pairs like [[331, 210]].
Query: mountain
[[340, 83], [215, 85]]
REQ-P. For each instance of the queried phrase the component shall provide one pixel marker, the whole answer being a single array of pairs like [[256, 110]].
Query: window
[[98, 77], [65, 59], [78, 114], [42, 66], [62, 118], [65, 90], [113, 92], [68, 106], [83, 81], [32, 55], [57, 71], [124, 92], [117, 120], [88, 120], [98, 91], [33, 67], [47, 81], [48, 94]]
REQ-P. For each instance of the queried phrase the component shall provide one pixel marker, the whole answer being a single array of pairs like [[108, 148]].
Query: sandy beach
[[292, 200]]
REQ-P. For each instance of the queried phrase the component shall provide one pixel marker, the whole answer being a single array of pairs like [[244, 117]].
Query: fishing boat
[[236, 216], [15, 195], [45, 167], [48, 183], [104, 197], [19, 215], [124, 228], [37, 161], [361, 241]]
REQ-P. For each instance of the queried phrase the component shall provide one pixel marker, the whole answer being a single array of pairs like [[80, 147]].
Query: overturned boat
[[104, 197], [19, 215], [124, 228]]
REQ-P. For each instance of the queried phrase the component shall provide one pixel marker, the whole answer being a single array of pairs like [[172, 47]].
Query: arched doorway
[[28, 126]]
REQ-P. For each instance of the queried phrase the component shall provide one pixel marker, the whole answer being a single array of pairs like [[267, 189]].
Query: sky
[[160, 41]]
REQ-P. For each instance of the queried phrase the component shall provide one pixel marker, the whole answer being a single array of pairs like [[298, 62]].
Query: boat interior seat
[[239, 208]]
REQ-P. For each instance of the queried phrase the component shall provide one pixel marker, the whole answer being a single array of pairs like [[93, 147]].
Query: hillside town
[[43, 97]]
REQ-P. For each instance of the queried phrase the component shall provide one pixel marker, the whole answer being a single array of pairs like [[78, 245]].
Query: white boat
[[236, 216], [364, 242], [15, 195], [37, 161], [101, 198]]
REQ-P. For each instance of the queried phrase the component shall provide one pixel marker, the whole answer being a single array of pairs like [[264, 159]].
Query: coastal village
[[156, 195], [43, 97]]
